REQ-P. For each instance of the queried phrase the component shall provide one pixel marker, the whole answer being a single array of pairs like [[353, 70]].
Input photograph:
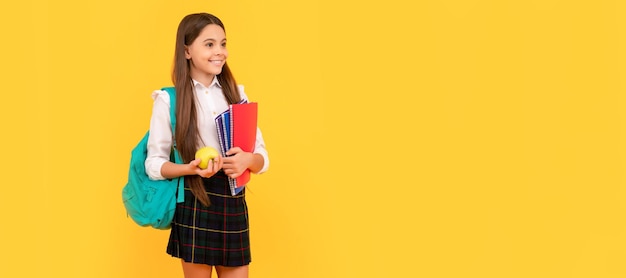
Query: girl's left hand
[[236, 162]]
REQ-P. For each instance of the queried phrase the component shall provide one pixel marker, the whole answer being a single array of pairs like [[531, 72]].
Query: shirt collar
[[199, 85]]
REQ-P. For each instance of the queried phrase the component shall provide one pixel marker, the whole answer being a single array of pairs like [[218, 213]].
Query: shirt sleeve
[[259, 146], [160, 138]]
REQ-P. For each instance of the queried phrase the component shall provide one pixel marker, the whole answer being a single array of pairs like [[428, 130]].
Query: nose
[[219, 50]]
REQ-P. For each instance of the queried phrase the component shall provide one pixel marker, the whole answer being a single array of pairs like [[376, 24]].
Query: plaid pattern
[[213, 235]]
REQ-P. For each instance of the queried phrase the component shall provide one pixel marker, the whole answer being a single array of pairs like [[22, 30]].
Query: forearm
[[172, 170], [256, 164]]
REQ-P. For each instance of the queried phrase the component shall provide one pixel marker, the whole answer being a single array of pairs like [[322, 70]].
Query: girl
[[210, 229]]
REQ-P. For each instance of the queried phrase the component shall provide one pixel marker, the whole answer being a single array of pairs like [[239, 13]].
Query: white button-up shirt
[[210, 102]]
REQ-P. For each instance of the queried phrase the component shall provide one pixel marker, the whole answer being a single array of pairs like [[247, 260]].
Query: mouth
[[216, 62]]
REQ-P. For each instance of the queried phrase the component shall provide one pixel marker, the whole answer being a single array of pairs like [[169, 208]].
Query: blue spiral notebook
[[224, 123]]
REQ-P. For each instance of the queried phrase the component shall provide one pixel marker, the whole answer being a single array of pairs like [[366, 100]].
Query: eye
[[223, 44], [209, 44]]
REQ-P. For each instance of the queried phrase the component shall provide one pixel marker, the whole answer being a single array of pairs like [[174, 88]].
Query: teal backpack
[[153, 202]]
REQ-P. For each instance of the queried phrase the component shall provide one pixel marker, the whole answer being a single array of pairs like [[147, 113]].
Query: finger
[[234, 150], [227, 160], [195, 162], [215, 166], [231, 172], [204, 173], [209, 167]]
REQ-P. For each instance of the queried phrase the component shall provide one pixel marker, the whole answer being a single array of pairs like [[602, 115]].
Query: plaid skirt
[[213, 235]]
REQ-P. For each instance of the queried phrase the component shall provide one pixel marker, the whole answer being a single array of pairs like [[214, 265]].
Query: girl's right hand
[[213, 167]]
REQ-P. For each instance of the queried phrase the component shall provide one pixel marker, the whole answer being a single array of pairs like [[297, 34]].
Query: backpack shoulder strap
[[171, 91]]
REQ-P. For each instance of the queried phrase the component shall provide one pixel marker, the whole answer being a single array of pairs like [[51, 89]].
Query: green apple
[[205, 154]]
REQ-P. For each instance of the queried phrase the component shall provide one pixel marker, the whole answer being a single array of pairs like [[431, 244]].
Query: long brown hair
[[187, 136]]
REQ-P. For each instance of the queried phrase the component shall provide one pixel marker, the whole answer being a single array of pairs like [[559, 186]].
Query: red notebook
[[243, 126]]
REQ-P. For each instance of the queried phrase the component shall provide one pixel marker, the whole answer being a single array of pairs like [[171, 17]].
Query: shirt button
[[206, 92]]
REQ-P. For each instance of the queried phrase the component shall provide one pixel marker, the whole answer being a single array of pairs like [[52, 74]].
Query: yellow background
[[435, 139]]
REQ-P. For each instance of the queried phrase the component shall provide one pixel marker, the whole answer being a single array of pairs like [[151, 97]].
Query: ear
[[187, 55]]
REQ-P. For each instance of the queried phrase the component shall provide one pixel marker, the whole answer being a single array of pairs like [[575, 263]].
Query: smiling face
[[207, 54]]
